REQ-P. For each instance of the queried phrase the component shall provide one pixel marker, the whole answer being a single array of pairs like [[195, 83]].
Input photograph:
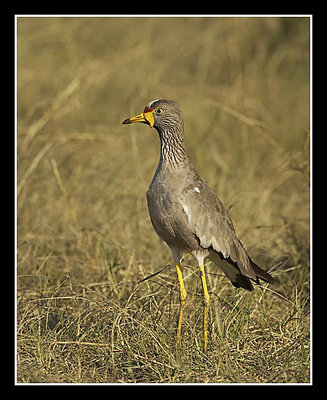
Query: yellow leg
[[182, 300], [206, 303]]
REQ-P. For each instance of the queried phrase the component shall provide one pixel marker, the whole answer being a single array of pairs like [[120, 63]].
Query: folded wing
[[214, 230]]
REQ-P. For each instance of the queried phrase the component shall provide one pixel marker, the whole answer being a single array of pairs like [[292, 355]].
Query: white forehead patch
[[197, 190], [151, 102]]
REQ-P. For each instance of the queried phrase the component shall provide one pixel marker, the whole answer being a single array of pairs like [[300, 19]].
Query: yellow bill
[[145, 117]]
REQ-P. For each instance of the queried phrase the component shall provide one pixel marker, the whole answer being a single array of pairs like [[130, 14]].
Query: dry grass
[[84, 236]]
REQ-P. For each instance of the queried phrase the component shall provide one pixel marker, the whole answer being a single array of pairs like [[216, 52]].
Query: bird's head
[[163, 115]]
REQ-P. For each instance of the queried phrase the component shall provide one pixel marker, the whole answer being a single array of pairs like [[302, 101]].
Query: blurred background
[[243, 87]]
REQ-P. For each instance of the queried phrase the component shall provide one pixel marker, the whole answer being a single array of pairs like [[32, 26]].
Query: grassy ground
[[85, 241]]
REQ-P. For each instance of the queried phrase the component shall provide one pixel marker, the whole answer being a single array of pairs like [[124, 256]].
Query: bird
[[188, 215]]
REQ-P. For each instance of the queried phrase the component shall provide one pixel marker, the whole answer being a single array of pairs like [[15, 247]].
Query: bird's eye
[[159, 111]]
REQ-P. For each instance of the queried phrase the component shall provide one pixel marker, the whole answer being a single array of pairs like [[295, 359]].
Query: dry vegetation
[[84, 236]]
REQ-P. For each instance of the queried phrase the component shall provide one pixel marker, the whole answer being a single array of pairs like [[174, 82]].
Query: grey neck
[[172, 149]]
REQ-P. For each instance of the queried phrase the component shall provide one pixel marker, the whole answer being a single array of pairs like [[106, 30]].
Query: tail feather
[[261, 274], [232, 271], [243, 282]]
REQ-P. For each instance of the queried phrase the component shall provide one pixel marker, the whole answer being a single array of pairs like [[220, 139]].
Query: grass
[[90, 306]]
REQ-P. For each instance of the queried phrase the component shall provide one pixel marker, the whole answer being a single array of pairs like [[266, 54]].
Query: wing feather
[[213, 226]]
